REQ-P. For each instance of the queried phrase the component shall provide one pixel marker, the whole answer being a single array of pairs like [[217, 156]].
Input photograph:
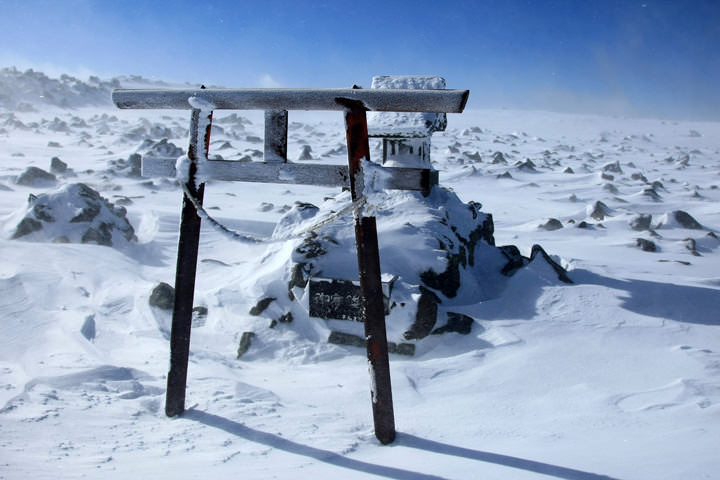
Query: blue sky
[[648, 58]]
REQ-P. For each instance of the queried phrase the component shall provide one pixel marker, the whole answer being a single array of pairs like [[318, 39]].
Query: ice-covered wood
[[380, 100], [417, 179], [407, 124], [276, 129]]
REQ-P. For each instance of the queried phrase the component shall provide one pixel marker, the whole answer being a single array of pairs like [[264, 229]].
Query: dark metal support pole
[[185, 275], [370, 282]]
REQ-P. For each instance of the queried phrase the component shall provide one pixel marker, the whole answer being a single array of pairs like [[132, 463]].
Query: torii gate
[[354, 103]]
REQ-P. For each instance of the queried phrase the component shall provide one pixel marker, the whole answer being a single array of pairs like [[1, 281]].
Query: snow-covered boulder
[[74, 213], [678, 219], [436, 254]]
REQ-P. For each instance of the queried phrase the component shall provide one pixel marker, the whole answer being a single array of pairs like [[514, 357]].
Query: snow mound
[[74, 213], [437, 255]]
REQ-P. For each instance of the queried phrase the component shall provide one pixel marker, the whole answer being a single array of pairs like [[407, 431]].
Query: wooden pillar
[[276, 129], [185, 270], [370, 281]]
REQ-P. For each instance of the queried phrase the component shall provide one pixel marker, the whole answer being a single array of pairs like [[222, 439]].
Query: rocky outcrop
[[74, 214], [435, 252]]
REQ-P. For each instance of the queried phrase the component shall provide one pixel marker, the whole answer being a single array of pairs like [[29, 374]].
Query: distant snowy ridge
[[26, 90]]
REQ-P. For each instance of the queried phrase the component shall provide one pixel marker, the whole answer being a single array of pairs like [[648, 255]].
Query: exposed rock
[[641, 222], [342, 338], [425, 317], [515, 260], [691, 245], [298, 278], [652, 194], [646, 245], [474, 157], [245, 343], [639, 176], [680, 219], [88, 327], [36, 177], [135, 163], [456, 322], [305, 153], [527, 165], [448, 281], [612, 167], [551, 224], [286, 317], [498, 157], [658, 185], [401, 348], [261, 305], [199, 312], [311, 247], [568, 170], [57, 166], [683, 160], [609, 187], [99, 236], [129, 168], [537, 251], [160, 149], [27, 226], [162, 296], [599, 210]]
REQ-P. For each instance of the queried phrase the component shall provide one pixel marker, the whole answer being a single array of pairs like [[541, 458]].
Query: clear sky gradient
[[645, 57]]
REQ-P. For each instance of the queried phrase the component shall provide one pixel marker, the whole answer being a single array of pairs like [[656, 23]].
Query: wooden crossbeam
[[417, 179], [378, 100]]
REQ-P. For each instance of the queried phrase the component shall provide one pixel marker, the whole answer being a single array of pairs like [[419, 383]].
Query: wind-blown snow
[[614, 376]]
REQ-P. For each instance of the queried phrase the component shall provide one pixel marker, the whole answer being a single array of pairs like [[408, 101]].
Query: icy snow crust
[[614, 376]]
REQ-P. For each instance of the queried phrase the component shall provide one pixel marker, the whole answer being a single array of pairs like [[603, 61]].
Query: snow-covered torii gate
[[354, 103]]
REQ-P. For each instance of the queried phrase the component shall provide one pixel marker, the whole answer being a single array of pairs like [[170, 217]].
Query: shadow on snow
[[681, 303], [403, 440]]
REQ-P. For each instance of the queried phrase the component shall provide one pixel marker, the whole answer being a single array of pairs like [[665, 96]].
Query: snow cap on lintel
[[396, 124]]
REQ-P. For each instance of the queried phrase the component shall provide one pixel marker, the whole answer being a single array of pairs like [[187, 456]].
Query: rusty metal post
[[186, 268], [370, 281]]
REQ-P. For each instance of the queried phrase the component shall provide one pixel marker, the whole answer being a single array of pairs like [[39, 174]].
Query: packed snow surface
[[616, 375]]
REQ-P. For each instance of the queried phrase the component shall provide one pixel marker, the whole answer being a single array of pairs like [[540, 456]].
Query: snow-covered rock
[[436, 252], [74, 213]]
